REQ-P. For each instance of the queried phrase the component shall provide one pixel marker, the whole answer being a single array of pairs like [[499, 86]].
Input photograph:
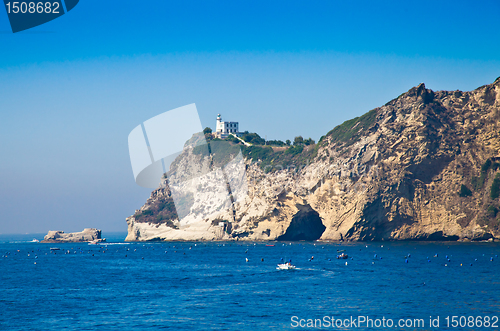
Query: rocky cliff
[[425, 166], [61, 237]]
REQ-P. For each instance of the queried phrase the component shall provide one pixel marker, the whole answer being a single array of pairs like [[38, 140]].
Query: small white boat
[[97, 241], [286, 266], [35, 240]]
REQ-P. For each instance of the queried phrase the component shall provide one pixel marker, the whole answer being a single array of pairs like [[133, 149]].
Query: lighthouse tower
[[219, 127]]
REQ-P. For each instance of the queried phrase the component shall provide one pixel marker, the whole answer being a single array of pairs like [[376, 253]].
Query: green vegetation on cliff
[[492, 211], [464, 191], [478, 182], [350, 131], [160, 212], [269, 159], [253, 138], [495, 187]]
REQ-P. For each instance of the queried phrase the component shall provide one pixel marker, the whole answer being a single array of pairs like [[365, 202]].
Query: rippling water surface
[[210, 286]]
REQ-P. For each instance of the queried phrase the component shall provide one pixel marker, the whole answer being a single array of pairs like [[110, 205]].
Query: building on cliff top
[[224, 129]]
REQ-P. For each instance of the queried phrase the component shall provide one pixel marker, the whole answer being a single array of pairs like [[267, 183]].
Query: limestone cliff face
[[87, 234], [421, 167]]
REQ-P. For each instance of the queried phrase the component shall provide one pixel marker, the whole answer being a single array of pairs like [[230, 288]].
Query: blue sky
[[71, 90]]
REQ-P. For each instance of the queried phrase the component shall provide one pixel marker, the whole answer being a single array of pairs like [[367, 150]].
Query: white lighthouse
[[224, 129]]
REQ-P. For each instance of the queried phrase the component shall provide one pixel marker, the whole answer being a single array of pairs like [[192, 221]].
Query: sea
[[123, 286]]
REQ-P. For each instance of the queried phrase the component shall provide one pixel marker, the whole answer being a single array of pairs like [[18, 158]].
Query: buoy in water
[[246, 259]]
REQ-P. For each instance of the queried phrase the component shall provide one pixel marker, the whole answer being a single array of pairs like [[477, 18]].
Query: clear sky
[[71, 90]]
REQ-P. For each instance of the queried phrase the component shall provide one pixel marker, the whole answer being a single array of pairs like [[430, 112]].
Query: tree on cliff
[[298, 140], [309, 141]]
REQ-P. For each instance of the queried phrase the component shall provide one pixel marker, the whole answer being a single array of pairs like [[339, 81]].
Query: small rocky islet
[[87, 235]]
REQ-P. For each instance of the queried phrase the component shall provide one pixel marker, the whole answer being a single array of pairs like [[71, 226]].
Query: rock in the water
[[87, 234]]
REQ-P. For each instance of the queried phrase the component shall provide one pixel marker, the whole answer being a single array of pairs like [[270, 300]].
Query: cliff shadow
[[305, 225]]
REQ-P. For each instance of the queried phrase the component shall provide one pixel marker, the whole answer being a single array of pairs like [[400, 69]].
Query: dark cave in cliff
[[305, 225]]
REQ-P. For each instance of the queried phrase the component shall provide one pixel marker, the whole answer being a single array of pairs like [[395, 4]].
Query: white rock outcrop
[[88, 234]]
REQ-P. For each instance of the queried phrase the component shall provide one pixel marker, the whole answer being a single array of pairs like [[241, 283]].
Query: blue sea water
[[210, 286]]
